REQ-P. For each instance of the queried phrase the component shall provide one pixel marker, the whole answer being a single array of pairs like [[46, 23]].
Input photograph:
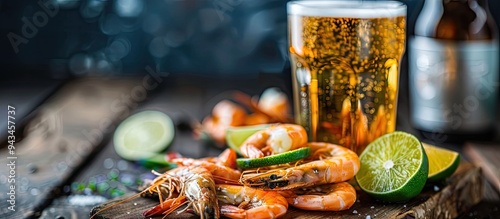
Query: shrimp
[[246, 202], [224, 114], [183, 185], [272, 106], [275, 103], [194, 185], [222, 168], [327, 197], [328, 163], [274, 140]]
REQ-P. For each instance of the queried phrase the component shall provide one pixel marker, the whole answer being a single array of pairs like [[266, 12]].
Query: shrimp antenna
[[118, 203]]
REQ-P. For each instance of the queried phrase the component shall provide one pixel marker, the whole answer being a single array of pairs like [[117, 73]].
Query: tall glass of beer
[[345, 58]]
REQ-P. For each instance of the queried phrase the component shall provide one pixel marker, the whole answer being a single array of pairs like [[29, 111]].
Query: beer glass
[[345, 58]]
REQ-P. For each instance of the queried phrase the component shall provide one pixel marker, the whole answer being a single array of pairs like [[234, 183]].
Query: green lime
[[236, 135], [286, 157], [143, 135], [393, 168], [157, 162], [442, 162]]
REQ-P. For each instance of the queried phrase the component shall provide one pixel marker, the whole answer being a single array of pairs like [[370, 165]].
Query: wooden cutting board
[[461, 191]]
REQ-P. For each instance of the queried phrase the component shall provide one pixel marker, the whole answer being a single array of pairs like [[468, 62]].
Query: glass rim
[[353, 8]]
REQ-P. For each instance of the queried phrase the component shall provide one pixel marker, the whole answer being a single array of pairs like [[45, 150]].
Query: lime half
[[394, 167], [442, 162], [286, 157], [143, 135], [236, 135]]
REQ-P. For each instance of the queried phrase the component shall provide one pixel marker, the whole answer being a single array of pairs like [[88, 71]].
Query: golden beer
[[345, 60]]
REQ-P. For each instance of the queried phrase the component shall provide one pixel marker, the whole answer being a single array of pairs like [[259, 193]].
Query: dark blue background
[[122, 37]]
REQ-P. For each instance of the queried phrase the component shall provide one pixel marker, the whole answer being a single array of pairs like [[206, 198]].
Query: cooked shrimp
[[192, 183], [176, 187], [257, 118], [275, 103], [272, 106], [246, 202], [222, 167], [224, 114], [328, 197], [329, 163], [274, 140]]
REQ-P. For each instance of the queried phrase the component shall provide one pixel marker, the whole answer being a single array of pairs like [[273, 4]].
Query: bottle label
[[453, 85]]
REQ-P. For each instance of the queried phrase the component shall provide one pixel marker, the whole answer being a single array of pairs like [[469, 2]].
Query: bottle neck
[[456, 20]]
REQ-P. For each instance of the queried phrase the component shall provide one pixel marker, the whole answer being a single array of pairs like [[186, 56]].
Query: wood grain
[[487, 157], [60, 136], [449, 200]]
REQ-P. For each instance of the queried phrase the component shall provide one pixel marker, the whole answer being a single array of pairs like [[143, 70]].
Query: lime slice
[[143, 135], [393, 168], [236, 135], [157, 162], [286, 157], [442, 162]]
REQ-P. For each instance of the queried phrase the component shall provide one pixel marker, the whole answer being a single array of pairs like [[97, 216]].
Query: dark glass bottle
[[453, 68]]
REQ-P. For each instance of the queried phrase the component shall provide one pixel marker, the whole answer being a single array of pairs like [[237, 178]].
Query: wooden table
[[66, 162]]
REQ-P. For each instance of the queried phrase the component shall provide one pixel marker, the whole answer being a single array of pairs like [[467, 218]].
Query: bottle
[[453, 69]]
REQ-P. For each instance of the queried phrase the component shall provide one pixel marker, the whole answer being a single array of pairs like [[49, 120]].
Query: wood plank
[[63, 132], [486, 156], [462, 191]]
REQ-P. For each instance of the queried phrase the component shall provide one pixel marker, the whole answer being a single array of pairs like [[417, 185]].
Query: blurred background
[[46, 43], [70, 38]]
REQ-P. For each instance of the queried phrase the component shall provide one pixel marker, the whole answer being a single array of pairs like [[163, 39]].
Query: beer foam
[[350, 9]]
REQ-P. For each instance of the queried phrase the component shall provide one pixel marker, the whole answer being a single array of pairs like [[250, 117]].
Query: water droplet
[[81, 64], [135, 203], [354, 212], [122, 165], [108, 163], [118, 49], [152, 23], [92, 9], [436, 188], [128, 8], [66, 189], [157, 47], [113, 174], [61, 166], [34, 191], [110, 24]]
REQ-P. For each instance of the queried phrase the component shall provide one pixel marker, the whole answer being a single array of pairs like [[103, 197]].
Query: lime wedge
[[286, 157], [442, 162], [393, 168], [236, 135], [143, 135]]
